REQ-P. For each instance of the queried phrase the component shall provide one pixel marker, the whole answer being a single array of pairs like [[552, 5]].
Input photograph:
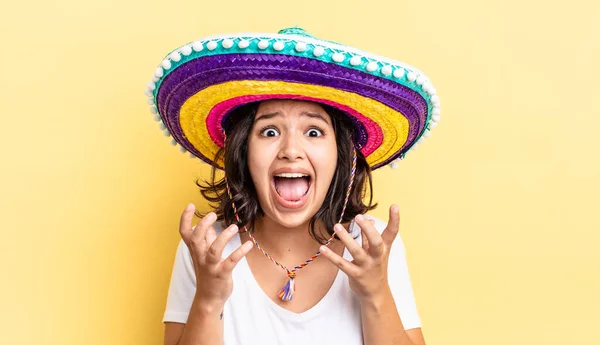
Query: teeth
[[291, 175]]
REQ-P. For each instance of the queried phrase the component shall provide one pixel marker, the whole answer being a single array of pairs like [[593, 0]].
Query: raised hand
[[367, 272], [214, 283]]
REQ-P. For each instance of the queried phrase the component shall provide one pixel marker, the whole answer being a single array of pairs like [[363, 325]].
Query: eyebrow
[[305, 113]]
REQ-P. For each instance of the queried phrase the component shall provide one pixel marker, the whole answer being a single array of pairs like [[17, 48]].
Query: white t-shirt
[[251, 317]]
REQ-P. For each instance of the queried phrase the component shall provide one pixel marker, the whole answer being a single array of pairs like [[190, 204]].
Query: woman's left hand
[[368, 271]]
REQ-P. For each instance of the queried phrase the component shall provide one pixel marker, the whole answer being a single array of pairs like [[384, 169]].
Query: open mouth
[[292, 187]]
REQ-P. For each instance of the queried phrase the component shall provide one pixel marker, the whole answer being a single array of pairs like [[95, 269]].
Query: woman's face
[[292, 155]]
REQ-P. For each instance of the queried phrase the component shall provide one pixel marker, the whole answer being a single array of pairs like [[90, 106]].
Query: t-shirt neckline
[[288, 314]]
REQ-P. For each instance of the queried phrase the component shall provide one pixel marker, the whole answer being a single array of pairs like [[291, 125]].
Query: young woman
[[289, 255]]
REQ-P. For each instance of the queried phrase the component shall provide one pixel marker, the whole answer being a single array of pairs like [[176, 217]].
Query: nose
[[291, 148]]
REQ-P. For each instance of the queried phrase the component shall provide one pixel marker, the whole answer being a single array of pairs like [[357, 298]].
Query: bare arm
[[204, 326], [173, 332], [382, 325]]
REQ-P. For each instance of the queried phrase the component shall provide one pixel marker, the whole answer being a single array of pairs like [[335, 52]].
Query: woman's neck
[[286, 242]]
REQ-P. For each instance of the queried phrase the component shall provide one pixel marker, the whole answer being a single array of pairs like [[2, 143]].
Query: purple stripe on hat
[[195, 75]]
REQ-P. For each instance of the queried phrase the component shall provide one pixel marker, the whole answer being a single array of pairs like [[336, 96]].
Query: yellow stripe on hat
[[193, 113]]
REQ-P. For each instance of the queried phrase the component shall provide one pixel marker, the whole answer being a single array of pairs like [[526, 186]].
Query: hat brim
[[195, 97]]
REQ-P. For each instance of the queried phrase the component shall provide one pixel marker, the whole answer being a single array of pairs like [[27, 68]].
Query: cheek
[[325, 159], [259, 160]]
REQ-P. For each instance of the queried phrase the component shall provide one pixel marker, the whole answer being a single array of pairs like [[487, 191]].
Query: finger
[[365, 241], [205, 243], [211, 235], [354, 248], [215, 250], [199, 233], [372, 235], [232, 260], [391, 230], [185, 223], [343, 264]]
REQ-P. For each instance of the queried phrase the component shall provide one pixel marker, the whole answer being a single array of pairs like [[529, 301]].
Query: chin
[[291, 223], [292, 219]]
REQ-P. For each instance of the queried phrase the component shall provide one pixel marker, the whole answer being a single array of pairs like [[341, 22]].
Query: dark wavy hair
[[238, 126]]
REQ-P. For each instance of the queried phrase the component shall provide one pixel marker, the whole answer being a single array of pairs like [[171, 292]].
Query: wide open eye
[[269, 132], [314, 132]]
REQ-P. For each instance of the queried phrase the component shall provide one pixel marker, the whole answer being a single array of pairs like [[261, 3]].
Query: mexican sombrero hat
[[195, 87]]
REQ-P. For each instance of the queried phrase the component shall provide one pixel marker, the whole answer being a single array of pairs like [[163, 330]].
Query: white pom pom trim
[[151, 86], [435, 111], [173, 142], [372, 66], [386, 70], [166, 64], [150, 101], [318, 51], [166, 133], [153, 110], [192, 155], [428, 88], [243, 44], [421, 79], [148, 93], [263, 44], [159, 72], [197, 46], [212, 45], [186, 50], [162, 126], [175, 56], [435, 118], [300, 46], [278, 46], [394, 164], [355, 60], [338, 57], [412, 76], [227, 43], [182, 149], [432, 124], [157, 118], [399, 73]]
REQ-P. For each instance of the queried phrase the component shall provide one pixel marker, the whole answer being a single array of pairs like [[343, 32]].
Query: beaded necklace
[[288, 290]]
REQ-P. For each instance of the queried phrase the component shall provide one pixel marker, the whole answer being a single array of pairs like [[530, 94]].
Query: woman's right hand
[[214, 282]]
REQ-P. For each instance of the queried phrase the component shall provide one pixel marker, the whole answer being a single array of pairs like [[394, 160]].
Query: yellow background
[[499, 206]]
